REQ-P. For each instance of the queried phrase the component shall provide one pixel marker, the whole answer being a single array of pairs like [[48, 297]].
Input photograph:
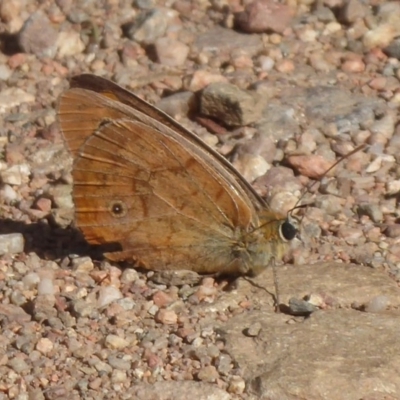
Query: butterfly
[[165, 198]]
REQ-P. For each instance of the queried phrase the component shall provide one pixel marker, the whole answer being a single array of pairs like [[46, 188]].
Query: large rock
[[336, 353]]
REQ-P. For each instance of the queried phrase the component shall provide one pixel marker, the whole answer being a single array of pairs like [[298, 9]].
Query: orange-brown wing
[[115, 92], [128, 103], [166, 205]]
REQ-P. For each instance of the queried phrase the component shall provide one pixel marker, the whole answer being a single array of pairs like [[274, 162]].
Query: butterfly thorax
[[261, 244]]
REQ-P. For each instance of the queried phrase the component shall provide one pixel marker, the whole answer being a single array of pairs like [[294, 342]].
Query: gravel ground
[[311, 81]]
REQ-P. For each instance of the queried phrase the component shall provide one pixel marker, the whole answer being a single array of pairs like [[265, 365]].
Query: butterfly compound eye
[[287, 231]]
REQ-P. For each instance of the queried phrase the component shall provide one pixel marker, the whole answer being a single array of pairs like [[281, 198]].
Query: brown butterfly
[[143, 181]]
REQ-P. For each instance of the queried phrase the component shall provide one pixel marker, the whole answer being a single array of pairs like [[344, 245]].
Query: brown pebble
[[264, 16], [208, 374], [392, 231]]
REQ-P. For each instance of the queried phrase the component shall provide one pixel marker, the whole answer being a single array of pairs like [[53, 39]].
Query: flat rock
[[332, 352], [343, 284], [178, 391]]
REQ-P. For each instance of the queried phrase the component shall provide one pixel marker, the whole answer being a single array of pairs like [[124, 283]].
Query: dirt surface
[[282, 89]]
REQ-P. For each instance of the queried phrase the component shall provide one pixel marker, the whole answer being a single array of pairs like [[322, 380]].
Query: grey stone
[[38, 36], [231, 105]]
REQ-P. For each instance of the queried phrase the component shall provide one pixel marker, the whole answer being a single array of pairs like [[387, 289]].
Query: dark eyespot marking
[[118, 209], [287, 231]]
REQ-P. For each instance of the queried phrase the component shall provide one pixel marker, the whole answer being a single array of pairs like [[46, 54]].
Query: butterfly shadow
[[51, 241], [9, 44]]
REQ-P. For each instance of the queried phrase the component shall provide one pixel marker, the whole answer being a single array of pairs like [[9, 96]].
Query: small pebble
[[5, 72], [237, 385], [264, 16], [38, 36], [127, 303], [377, 304], [170, 52], [16, 175], [107, 295], [69, 44], [316, 299], [11, 243], [253, 330], [19, 365], [162, 299], [46, 286], [118, 376], [301, 307], [312, 166], [166, 317], [31, 280], [153, 25], [224, 364], [251, 166], [392, 231], [8, 194], [372, 210], [115, 342], [393, 187], [208, 374], [129, 275], [82, 264], [17, 298], [44, 345]]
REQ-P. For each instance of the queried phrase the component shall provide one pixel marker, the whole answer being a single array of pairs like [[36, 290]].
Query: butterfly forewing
[[100, 98]]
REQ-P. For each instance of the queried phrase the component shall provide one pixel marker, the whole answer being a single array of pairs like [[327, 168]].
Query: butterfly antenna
[[313, 183]]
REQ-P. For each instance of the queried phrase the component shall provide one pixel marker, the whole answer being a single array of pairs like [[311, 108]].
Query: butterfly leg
[[276, 285]]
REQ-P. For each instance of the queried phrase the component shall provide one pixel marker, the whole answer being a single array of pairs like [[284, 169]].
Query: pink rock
[[353, 66], [264, 16], [312, 166], [43, 204], [162, 299], [16, 60], [285, 66]]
